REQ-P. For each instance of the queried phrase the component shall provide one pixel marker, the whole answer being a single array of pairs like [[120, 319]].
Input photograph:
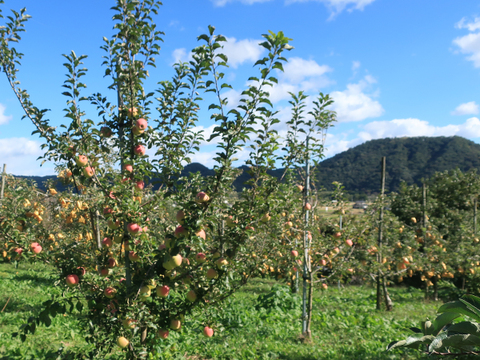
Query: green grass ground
[[345, 324]]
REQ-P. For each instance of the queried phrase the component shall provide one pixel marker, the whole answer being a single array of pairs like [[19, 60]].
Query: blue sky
[[394, 68]]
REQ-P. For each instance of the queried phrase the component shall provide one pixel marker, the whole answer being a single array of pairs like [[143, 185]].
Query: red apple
[[308, 206], [37, 249], [191, 296], [89, 171], [201, 234], [104, 272], [162, 291], [141, 124], [110, 292], [211, 274], [180, 231], [201, 257], [107, 211], [337, 234], [133, 229], [349, 242], [163, 334], [111, 263], [128, 168], [294, 253], [139, 150], [325, 286], [207, 331], [139, 185], [107, 242], [202, 197], [72, 280], [323, 262], [82, 160], [133, 256]]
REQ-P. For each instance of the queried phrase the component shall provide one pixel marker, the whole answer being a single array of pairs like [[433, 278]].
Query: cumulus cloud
[[469, 44], [354, 104], [469, 108], [246, 2], [181, 55], [240, 51], [338, 6], [4, 118], [20, 154]]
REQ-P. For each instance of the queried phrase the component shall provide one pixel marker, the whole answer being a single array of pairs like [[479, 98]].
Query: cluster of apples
[[82, 161]]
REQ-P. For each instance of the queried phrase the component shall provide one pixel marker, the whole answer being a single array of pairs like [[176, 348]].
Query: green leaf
[[465, 327], [460, 307], [461, 341], [442, 320]]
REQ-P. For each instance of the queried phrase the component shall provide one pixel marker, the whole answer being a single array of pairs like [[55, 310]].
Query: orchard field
[[111, 268]]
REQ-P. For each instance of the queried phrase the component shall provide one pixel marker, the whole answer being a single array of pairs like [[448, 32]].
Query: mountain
[[358, 168], [409, 159]]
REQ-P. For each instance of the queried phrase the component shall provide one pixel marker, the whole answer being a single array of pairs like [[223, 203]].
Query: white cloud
[[355, 66], [180, 55], [469, 108], [20, 154], [246, 2], [241, 51], [4, 118], [337, 6], [353, 104], [298, 69], [469, 44]]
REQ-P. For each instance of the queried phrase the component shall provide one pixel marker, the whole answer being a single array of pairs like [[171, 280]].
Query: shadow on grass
[[40, 279], [41, 354]]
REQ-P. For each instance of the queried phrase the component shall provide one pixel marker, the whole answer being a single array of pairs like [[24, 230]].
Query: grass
[[345, 324]]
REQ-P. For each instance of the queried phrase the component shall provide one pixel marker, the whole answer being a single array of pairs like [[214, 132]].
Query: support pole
[[306, 260], [380, 235], [4, 175]]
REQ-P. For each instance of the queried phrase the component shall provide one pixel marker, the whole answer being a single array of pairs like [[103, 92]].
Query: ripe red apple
[[110, 292], [139, 185], [207, 331], [133, 229], [104, 272], [34, 245], [107, 242], [111, 263], [162, 291], [175, 324], [19, 251], [202, 197], [133, 256], [107, 211], [139, 150], [201, 257], [323, 262], [82, 160], [337, 250], [294, 253], [141, 124], [122, 342], [191, 296], [300, 188], [349, 242], [350, 270], [106, 131], [325, 286], [128, 168], [37, 249], [180, 231], [211, 274], [72, 280], [308, 206], [89, 171], [163, 334], [337, 234]]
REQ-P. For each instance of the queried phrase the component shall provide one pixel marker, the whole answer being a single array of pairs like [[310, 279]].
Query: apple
[[133, 111], [300, 188], [187, 280], [180, 217], [249, 228], [180, 231], [139, 185], [175, 324], [110, 292], [107, 211], [289, 224], [337, 234], [266, 218], [37, 249], [139, 150], [350, 270], [211, 274], [323, 262], [133, 229], [113, 225], [128, 323], [201, 233], [201, 197], [106, 131], [141, 124], [19, 251], [107, 242], [191, 296], [133, 256], [128, 168], [145, 292], [162, 247], [294, 253], [111, 263], [34, 245], [82, 160], [162, 333], [72, 280], [207, 331], [307, 206], [117, 239], [136, 131], [122, 342], [175, 261], [221, 262], [200, 258], [349, 242], [103, 272], [163, 291], [325, 286], [337, 250]]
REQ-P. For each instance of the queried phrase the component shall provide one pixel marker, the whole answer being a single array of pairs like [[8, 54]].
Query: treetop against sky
[[408, 68]]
